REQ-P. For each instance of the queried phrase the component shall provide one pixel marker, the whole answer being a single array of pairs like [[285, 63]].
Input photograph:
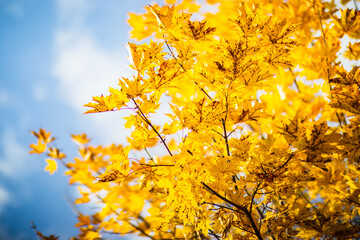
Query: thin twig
[[226, 137], [253, 195], [142, 115], [214, 234], [150, 157], [220, 206], [283, 165], [157, 165]]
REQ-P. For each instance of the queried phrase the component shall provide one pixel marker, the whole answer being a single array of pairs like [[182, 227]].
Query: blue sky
[[54, 56]]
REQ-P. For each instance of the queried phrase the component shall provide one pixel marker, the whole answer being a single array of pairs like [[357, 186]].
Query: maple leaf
[[55, 153], [112, 175], [84, 199], [102, 104], [353, 52], [51, 166], [241, 123], [43, 136], [38, 148], [80, 139], [83, 220], [349, 22]]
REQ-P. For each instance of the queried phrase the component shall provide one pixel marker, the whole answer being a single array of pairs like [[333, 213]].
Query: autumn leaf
[[80, 139], [112, 175], [38, 148], [55, 153], [51, 166], [242, 122], [43, 136], [349, 22], [83, 220], [84, 199], [101, 104]]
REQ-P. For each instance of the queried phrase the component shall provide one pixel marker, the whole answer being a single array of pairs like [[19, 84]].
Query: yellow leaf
[[38, 148], [43, 136], [80, 139], [55, 153], [51, 166], [102, 104], [83, 220], [140, 28], [349, 22], [84, 199], [112, 175], [353, 52]]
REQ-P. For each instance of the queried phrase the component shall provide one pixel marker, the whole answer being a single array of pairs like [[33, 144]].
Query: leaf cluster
[[244, 125]]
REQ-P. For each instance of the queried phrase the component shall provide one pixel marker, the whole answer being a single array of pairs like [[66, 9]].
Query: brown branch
[[241, 208], [157, 165], [284, 164], [219, 206], [226, 137], [214, 234], [253, 195], [142, 115]]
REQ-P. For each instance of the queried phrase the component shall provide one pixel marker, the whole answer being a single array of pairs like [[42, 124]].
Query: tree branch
[[142, 115], [225, 137], [241, 208]]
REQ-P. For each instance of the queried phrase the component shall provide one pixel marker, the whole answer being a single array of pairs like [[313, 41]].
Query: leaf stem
[[150, 157]]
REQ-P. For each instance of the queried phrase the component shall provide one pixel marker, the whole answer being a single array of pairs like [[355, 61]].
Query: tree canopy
[[245, 124]]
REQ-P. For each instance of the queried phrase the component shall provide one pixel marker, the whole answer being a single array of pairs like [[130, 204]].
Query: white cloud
[[4, 198], [83, 66], [13, 161], [13, 165], [73, 12]]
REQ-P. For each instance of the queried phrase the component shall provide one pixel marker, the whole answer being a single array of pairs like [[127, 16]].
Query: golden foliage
[[245, 121]]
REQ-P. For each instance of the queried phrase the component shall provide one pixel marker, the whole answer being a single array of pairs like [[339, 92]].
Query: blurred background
[[54, 56]]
